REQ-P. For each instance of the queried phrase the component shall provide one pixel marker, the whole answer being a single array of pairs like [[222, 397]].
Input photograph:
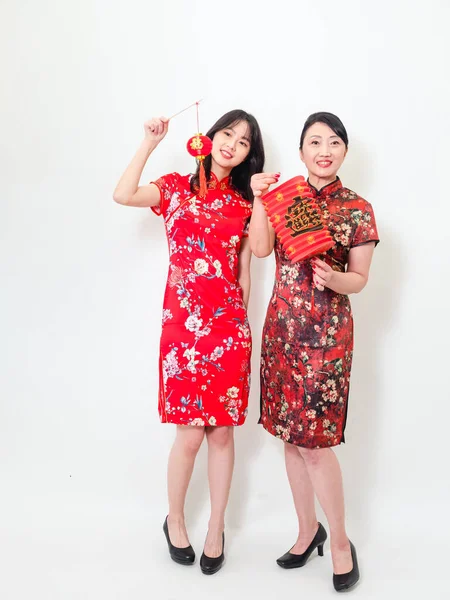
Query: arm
[[353, 280], [261, 232], [128, 191], [245, 256]]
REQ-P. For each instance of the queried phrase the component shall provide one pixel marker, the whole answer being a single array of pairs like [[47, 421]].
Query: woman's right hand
[[261, 182], [156, 129]]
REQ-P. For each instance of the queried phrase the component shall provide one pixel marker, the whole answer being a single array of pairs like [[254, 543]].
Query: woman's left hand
[[322, 273]]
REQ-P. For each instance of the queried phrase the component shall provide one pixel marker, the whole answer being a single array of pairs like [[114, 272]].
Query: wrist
[[259, 204], [149, 145], [334, 280]]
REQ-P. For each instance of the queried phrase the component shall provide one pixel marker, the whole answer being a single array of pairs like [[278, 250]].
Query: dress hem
[[206, 425], [309, 446]]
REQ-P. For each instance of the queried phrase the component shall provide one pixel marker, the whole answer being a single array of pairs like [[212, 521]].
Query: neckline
[[214, 180], [329, 188]]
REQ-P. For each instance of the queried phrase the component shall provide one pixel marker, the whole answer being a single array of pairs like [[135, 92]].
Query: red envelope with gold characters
[[297, 219]]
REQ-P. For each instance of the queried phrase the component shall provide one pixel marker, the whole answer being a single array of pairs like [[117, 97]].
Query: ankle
[[339, 542], [216, 526], [175, 518], [306, 528]]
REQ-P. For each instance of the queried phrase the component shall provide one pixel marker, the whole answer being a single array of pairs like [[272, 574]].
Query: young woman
[[205, 342], [308, 342]]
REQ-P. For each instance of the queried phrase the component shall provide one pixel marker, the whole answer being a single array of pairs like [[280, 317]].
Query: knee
[[220, 437], [191, 439], [313, 457]]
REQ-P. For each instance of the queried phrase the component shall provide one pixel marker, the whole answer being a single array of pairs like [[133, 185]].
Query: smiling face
[[323, 153], [230, 148]]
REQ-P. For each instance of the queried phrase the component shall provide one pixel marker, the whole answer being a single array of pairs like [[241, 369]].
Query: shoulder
[[353, 201], [174, 180]]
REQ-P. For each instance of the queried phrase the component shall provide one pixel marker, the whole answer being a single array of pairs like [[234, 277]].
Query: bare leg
[[220, 472], [181, 464], [303, 494], [325, 474]]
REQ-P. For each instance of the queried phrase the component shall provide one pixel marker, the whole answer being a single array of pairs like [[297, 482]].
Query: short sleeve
[[167, 185], [366, 227]]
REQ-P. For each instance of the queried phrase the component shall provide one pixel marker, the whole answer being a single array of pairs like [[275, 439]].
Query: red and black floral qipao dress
[[307, 342], [205, 342]]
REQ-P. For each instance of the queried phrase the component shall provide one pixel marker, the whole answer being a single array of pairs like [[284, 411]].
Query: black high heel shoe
[[208, 565], [292, 561], [182, 556], [346, 581]]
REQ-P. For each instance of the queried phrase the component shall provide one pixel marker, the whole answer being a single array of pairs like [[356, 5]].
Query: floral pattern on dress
[[206, 341], [307, 341]]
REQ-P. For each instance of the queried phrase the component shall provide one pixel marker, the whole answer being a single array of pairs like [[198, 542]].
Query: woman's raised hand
[[156, 129], [261, 182]]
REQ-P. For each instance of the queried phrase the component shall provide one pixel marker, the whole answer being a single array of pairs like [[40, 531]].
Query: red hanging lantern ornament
[[200, 146]]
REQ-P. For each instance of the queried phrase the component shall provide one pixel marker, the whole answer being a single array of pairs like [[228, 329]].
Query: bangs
[[248, 135]]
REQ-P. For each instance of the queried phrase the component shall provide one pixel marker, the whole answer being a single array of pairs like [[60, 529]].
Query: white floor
[[115, 559]]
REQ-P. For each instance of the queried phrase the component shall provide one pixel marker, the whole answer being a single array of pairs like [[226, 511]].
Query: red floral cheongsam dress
[[205, 342], [307, 340]]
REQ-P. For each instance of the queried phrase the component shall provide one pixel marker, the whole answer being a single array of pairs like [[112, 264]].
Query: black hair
[[254, 162], [329, 119]]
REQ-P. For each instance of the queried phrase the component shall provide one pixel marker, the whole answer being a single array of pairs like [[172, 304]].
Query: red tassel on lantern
[[200, 146], [203, 184]]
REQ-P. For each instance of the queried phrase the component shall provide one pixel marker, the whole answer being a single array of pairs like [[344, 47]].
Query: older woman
[[308, 343]]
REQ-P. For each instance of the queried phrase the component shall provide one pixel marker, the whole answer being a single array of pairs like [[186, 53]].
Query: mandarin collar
[[214, 182], [328, 189]]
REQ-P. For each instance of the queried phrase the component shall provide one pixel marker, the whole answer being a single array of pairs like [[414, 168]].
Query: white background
[[82, 452]]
